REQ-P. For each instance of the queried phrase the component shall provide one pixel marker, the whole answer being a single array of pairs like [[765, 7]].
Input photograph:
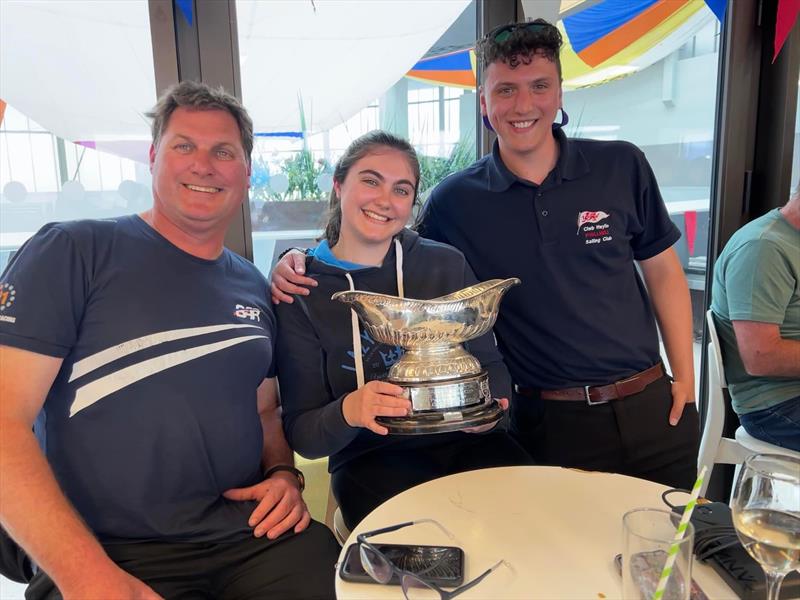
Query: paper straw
[[679, 533]]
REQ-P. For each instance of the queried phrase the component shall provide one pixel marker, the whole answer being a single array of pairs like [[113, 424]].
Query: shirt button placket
[[546, 225]]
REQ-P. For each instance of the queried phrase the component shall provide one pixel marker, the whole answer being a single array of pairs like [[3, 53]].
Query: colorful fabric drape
[[454, 69], [602, 40]]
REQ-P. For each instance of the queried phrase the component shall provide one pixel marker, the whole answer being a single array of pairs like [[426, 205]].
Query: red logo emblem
[[590, 216]]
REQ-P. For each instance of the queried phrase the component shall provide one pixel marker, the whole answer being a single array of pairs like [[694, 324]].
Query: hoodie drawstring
[[356, 340], [398, 265], [356, 330]]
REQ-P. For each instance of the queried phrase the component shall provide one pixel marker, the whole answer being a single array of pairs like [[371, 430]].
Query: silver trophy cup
[[448, 388]]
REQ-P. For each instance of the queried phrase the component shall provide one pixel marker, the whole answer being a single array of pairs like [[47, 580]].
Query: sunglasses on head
[[501, 34]]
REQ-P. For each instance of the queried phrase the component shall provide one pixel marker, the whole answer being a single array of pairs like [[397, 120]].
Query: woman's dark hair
[[358, 149], [519, 43]]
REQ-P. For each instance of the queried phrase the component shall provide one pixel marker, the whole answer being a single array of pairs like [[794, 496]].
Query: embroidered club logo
[[247, 312], [7, 295], [590, 216]]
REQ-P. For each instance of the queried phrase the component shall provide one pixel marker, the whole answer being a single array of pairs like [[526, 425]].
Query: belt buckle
[[589, 400]]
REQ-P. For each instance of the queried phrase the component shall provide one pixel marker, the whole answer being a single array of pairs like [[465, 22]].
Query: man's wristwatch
[[291, 248], [293, 470]]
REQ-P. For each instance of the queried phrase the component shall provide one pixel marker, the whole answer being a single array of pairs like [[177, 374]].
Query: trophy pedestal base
[[443, 421]]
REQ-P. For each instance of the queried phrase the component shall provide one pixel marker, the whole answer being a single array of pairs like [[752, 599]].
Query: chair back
[[715, 449], [715, 350]]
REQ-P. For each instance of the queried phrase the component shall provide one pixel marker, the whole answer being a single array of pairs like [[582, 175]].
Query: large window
[[73, 139], [348, 68]]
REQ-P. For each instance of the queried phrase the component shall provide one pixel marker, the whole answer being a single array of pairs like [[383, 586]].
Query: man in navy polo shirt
[[571, 219], [146, 349]]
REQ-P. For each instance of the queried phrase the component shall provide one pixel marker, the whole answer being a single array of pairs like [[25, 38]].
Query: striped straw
[[681, 531]]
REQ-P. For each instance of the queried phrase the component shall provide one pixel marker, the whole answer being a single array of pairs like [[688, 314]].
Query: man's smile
[[200, 188]]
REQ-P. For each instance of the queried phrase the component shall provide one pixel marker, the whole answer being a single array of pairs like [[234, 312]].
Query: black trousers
[[631, 436], [292, 566], [362, 484]]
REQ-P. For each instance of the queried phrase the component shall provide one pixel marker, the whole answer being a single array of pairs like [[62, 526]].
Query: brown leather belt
[[599, 394]]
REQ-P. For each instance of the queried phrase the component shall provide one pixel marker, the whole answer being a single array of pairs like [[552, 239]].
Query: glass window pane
[[363, 83], [70, 137]]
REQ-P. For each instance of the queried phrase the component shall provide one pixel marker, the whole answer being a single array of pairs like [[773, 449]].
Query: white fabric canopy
[[337, 55], [84, 69]]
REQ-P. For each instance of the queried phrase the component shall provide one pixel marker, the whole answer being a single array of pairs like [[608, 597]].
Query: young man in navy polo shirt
[[571, 219]]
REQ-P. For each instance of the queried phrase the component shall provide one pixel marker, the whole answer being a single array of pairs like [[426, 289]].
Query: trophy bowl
[[447, 386]]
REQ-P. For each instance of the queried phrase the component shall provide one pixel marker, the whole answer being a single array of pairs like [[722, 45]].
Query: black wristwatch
[[293, 470], [290, 248]]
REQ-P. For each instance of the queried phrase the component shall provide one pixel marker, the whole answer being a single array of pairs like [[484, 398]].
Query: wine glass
[[766, 514]]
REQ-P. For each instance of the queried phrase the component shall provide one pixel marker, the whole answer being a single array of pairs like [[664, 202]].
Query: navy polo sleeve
[[313, 421], [45, 288], [655, 231], [429, 222]]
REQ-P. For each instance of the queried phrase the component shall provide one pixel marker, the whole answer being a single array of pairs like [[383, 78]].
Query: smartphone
[[442, 565]]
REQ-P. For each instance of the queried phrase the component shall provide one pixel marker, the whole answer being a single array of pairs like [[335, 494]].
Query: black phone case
[[450, 574]]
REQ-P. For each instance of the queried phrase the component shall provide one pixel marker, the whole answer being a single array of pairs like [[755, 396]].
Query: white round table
[[558, 528]]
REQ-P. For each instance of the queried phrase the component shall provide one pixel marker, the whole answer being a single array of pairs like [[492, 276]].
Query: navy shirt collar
[[571, 164]]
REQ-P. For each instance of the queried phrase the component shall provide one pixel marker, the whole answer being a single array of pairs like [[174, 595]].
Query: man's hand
[[682, 394], [280, 505], [111, 584], [503, 402], [375, 399], [288, 277]]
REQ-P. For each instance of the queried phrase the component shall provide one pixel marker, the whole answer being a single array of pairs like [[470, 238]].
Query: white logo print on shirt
[[247, 312]]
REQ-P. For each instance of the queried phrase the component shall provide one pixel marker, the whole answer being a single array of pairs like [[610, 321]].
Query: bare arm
[[276, 449], [288, 277], [669, 293], [764, 352], [33, 508], [280, 503]]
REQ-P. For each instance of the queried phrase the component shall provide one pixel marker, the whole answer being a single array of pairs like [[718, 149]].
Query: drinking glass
[[648, 535], [766, 514]]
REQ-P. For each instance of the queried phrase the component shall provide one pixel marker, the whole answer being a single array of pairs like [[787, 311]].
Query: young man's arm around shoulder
[[33, 508]]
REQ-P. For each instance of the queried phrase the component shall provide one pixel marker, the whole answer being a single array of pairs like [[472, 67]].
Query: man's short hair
[[518, 43], [199, 96]]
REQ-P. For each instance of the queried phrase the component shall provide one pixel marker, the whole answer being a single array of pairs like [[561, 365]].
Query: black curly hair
[[518, 43]]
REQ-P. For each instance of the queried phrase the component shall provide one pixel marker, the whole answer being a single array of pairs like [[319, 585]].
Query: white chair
[[335, 521], [715, 449]]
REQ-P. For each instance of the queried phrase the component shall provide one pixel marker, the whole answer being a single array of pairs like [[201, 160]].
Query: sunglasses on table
[[414, 585]]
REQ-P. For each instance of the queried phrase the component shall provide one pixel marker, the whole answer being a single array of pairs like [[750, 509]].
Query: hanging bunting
[[784, 21]]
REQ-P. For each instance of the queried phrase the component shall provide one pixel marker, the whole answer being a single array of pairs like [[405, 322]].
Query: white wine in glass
[[766, 515]]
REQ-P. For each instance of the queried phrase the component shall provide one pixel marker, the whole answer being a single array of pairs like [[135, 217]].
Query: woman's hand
[[375, 399], [503, 402]]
